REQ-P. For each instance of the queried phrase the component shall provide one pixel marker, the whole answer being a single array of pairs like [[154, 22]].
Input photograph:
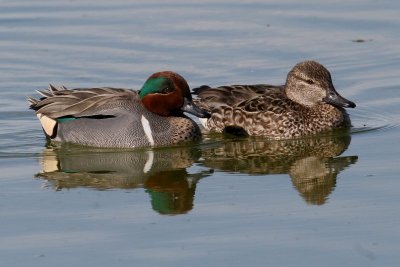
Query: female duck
[[113, 117], [307, 104]]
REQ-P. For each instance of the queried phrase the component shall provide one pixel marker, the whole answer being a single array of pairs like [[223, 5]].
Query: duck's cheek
[[316, 97], [164, 104], [156, 104]]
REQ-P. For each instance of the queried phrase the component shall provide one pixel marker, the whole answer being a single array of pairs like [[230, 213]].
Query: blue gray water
[[329, 200]]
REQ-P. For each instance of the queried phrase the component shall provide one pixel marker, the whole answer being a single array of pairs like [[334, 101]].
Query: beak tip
[[350, 104], [339, 101]]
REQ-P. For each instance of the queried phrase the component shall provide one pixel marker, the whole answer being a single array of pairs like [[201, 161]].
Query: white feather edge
[[48, 124]]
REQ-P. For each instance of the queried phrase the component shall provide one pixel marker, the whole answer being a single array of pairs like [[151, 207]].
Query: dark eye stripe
[[309, 81]]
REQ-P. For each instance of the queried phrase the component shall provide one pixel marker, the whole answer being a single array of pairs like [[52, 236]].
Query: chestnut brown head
[[167, 93]]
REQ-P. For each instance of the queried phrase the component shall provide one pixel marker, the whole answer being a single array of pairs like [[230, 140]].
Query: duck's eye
[[166, 90], [309, 81]]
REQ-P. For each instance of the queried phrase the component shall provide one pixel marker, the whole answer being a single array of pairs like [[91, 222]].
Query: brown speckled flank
[[307, 104]]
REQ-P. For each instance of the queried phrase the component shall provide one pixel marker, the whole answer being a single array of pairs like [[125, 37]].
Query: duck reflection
[[162, 172], [312, 163]]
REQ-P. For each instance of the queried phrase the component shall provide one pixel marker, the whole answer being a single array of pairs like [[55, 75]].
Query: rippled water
[[327, 200]]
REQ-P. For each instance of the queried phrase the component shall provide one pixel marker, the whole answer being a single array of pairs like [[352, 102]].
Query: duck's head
[[309, 83], [167, 93]]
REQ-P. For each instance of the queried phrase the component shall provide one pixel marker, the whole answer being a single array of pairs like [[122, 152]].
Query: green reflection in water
[[313, 165], [162, 172]]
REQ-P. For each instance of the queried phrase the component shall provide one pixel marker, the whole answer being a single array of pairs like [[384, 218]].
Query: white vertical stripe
[[147, 130], [149, 162]]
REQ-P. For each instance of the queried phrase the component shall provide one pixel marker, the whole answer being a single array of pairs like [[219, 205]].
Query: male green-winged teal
[[307, 104], [114, 117]]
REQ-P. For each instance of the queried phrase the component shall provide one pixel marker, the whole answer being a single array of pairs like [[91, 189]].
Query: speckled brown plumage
[[307, 104], [312, 163]]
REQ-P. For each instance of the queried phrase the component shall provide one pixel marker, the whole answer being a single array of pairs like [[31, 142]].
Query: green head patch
[[155, 85]]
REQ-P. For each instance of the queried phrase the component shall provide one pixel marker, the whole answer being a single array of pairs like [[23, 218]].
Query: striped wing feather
[[83, 102]]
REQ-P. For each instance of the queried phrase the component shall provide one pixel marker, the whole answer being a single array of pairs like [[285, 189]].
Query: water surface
[[328, 200]]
